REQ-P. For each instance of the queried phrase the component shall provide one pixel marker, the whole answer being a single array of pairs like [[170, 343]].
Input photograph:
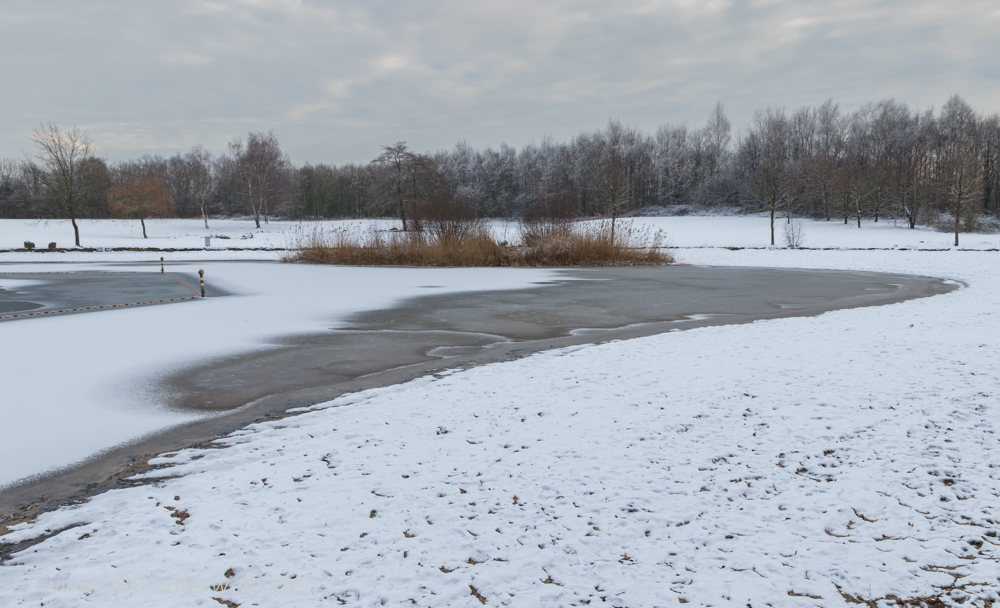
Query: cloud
[[336, 80]]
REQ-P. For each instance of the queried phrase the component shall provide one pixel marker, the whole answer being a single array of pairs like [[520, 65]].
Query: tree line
[[883, 161]]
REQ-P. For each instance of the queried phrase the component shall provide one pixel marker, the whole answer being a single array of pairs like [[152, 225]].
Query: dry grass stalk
[[473, 244]]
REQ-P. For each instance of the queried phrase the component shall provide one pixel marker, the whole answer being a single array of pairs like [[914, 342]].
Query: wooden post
[[161, 265], [201, 275]]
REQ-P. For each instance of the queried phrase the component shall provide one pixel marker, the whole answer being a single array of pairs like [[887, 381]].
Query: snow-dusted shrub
[[794, 234]]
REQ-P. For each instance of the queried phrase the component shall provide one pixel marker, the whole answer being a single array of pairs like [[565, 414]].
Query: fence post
[[201, 275]]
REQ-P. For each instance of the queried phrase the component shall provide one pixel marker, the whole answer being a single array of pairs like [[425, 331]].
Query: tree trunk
[[204, 216], [253, 206], [143, 222], [772, 224], [958, 216], [76, 229]]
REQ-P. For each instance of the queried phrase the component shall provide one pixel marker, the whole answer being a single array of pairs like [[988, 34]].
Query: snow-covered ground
[[246, 242], [846, 456], [227, 235], [819, 461], [74, 385], [755, 231]]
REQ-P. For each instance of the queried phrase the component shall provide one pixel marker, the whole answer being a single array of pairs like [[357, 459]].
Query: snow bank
[[798, 462]]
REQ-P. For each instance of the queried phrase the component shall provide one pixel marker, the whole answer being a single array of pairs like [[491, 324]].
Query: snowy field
[[245, 242], [227, 235], [823, 461]]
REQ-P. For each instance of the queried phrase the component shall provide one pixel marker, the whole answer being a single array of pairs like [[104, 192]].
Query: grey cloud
[[336, 79]]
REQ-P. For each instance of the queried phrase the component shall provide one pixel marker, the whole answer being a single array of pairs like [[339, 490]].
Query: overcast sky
[[335, 80]]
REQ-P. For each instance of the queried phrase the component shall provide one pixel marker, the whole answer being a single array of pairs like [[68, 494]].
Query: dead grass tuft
[[479, 596], [472, 243]]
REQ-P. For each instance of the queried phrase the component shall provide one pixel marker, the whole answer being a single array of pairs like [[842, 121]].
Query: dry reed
[[474, 244]]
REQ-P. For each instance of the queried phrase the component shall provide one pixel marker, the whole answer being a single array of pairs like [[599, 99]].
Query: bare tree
[[59, 167], [718, 135], [829, 146], [961, 170], [395, 188], [852, 189], [14, 190], [877, 148], [140, 198], [990, 150], [261, 165], [200, 163], [614, 177], [768, 175], [915, 168]]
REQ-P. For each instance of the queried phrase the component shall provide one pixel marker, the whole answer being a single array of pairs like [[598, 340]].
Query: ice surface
[[79, 384]]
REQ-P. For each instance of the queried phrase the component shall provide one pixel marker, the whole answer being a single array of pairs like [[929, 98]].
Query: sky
[[337, 80]]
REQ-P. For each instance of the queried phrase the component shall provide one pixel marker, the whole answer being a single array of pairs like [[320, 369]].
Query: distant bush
[[473, 244], [794, 234], [971, 221]]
